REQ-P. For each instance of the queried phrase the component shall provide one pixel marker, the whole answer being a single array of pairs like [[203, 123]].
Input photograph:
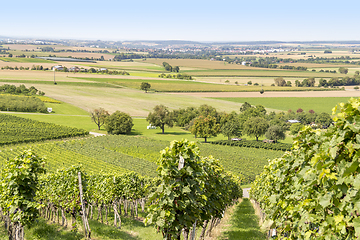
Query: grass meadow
[[318, 104]]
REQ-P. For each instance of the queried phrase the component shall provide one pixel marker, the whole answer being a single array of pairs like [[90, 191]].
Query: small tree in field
[[160, 117], [205, 127], [145, 86], [119, 123], [275, 133], [230, 126], [98, 116], [255, 126]]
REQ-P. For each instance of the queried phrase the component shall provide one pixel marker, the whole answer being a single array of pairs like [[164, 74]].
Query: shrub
[[119, 123]]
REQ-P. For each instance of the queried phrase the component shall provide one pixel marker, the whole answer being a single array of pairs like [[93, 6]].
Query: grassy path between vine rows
[[243, 223]]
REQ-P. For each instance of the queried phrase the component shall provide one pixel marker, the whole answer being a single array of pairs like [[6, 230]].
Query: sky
[[252, 20]]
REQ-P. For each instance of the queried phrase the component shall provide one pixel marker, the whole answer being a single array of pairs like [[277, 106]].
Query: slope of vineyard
[[17, 130], [58, 157], [139, 154]]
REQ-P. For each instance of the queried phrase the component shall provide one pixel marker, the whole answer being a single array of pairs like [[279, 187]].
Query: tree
[[98, 116], [176, 69], [280, 81], [119, 123], [275, 133], [160, 117], [206, 110], [343, 70], [245, 106], [183, 117], [249, 82], [255, 126], [295, 128], [145, 86], [324, 119], [230, 125], [205, 127]]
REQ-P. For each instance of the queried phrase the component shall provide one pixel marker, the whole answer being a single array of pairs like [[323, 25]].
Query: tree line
[[206, 122], [310, 82]]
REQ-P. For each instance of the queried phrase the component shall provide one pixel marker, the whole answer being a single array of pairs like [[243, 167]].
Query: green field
[[318, 104], [261, 72], [25, 60], [243, 223]]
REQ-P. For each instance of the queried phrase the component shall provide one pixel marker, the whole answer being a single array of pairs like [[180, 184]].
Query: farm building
[[58, 67], [74, 69]]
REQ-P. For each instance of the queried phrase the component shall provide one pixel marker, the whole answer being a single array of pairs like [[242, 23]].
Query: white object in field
[[151, 127], [49, 110]]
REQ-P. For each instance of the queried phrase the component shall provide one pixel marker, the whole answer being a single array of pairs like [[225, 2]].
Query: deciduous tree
[[160, 117], [230, 125], [145, 86], [275, 133], [255, 126], [205, 127], [98, 116]]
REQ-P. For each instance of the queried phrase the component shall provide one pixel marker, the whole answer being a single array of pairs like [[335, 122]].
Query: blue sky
[[240, 20]]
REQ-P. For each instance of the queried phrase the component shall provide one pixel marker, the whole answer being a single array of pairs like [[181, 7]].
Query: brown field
[[21, 47]]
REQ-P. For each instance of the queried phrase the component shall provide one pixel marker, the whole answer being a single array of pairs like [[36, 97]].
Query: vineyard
[[119, 154], [19, 130], [313, 192], [255, 144], [190, 187]]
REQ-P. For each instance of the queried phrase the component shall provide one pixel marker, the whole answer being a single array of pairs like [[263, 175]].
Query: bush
[[254, 144], [119, 123], [295, 128]]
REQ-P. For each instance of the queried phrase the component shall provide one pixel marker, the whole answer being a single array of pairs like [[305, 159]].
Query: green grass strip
[[243, 223]]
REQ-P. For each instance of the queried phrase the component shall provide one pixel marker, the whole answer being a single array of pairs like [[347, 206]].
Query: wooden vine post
[[87, 229]]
